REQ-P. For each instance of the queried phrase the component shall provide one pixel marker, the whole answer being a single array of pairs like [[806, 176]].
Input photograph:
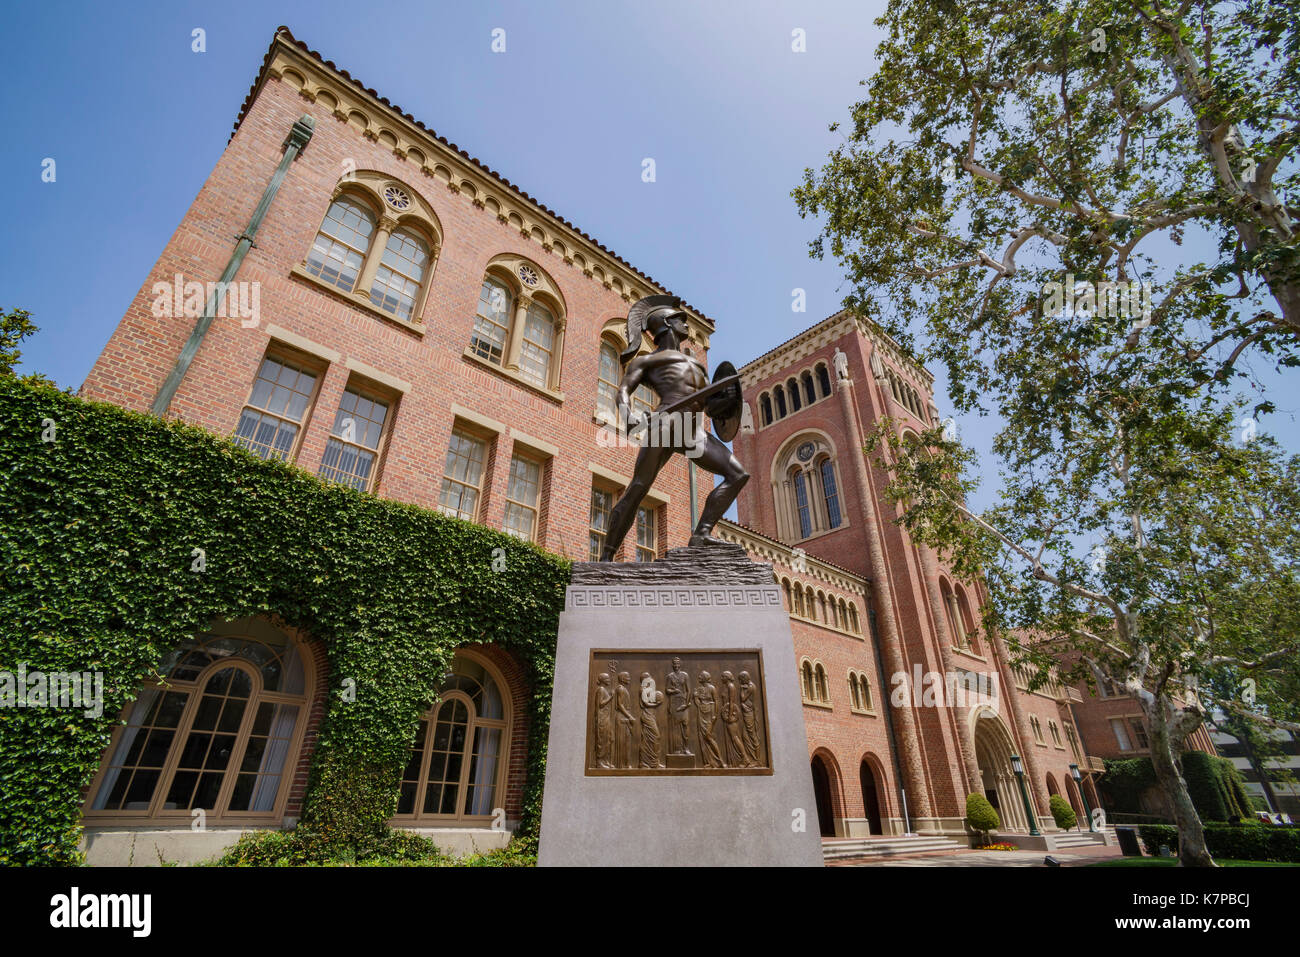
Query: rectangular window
[[1139, 732], [646, 529], [522, 495], [353, 446], [463, 476], [276, 411], [602, 503], [1121, 734]]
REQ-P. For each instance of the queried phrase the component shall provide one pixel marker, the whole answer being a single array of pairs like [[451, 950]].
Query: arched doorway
[[993, 750], [1051, 786], [871, 799], [822, 777]]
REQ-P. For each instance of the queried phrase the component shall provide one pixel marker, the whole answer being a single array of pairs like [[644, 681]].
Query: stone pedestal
[[666, 767]]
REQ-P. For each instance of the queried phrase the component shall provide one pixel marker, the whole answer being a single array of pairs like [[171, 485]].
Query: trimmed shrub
[[1233, 841], [980, 815], [1062, 813]]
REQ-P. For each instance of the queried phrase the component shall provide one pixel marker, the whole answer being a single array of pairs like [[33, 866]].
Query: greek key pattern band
[[614, 596]]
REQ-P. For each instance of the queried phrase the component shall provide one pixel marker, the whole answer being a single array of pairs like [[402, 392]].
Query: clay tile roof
[[287, 34]]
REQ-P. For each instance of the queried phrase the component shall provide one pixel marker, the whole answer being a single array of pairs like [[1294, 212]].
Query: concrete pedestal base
[[689, 819]]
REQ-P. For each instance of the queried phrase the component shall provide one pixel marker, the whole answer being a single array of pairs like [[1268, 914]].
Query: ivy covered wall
[[101, 511]]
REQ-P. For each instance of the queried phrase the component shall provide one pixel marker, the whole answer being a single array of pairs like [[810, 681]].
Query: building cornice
[[319, 81]]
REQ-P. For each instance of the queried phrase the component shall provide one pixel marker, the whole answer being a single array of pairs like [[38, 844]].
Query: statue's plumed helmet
[[650, 314]]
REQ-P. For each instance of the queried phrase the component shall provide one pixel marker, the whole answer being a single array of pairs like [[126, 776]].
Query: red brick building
[[408, 322]]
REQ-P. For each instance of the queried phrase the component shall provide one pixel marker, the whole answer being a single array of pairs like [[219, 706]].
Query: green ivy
[[97, 532]]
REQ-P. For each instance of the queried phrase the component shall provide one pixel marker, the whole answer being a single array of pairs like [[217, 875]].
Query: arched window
[[779, 392], [537, 350], [221, 732], [765, 408], [608, 378], [492, 323], [339, 252], [806, 673], [785, 586], [970, 632], [792, 389], [400, 274], [830, 492], [456, 770], [809, 390], [377, 243], [854, 626], [798, 600], [519, 324], [823, 690], [865, 692], [801, 503], [810, 602], [821, 606], [823, 380], [853, 691], [843, 620]]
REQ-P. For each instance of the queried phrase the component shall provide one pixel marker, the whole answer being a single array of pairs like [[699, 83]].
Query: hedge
[[1213, 783], [1243, 842], [101, 510]]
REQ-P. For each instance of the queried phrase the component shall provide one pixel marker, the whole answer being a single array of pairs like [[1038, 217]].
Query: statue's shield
[[724, 407]]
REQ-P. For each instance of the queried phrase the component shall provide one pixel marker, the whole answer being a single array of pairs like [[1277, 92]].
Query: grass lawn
[[1173, 862]]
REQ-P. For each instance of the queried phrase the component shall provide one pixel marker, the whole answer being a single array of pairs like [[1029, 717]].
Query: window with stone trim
[[377, 243], [401, 273], [523, 497], [339, 252], [519, 323], [458, 763], [602, 503], [354, 446], [647, 533], [221, 731], [279, 404], [462, 480]]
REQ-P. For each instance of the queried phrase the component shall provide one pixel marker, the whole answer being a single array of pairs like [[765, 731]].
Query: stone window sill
[[513, 376], [818, 704], [359, 300], [865, 713]]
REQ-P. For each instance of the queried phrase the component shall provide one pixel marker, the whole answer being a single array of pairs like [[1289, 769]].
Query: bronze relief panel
[[677, 712]]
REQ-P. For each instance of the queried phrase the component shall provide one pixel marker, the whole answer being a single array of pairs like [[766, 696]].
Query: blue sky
[[135, 121]]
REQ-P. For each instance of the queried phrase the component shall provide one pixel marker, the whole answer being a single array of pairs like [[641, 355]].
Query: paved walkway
[[1071, 857]]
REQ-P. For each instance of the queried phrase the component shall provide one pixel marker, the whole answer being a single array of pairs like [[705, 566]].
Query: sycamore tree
[[1083, 210], [1157, 553], [1131, 159]]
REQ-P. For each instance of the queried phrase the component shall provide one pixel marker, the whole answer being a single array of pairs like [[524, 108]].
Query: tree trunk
[[1191, 835]]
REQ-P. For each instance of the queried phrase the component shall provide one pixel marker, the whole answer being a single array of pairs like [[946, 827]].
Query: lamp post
[[1020, 779], [1078, 784]]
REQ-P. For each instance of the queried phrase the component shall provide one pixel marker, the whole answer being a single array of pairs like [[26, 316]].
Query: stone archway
[[825, 782], [871, 798], [993, 750]]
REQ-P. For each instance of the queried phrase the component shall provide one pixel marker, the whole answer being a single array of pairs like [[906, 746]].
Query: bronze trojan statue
[[676, 425]]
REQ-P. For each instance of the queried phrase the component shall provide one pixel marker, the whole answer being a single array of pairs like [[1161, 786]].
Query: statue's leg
[[717, 458], [648, 463]]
